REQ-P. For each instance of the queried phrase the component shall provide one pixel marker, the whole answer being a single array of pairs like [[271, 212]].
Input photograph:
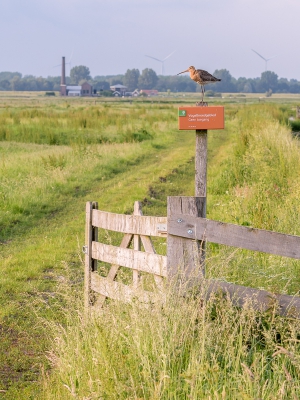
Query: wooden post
[[88, 254], [201, 165], [136, 244], [91, 234], [182, 253], [94, 236], [200, 181]]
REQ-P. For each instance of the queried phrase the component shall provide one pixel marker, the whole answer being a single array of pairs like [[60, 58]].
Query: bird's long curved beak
[[183, 72]]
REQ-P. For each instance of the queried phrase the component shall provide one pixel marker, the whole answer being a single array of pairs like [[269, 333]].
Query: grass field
[[56, 154]]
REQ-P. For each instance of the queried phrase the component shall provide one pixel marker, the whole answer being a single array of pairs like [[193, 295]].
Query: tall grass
[[183, 349], [47, 175], [258, 185], [187, 348], [83, 124]]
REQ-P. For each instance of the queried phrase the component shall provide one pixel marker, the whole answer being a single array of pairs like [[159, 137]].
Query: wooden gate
[[137, 229], [186, 233]]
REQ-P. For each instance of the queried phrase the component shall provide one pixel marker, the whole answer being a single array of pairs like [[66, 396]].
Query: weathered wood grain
[[201, 165], [94, 235], [258, 299], [234, 235], [88, 255], [137, 210], [134, 224], [119, 291], [113, 270], [183, 254], [139, 260], [201, 181]]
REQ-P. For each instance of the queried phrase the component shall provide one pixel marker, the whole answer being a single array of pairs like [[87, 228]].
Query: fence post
[[201, 165], [91, 234], [136, 244], [94, 236], [201, 180], [88, 256], [182, 253]]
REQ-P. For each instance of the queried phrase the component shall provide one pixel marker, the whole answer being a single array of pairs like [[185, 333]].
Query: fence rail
[[139, 260], [187, 233], [234, 235], [137, 229], [134, 224]]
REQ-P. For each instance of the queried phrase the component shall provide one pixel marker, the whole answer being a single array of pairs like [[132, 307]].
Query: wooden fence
[[137, 229], [186, 234]]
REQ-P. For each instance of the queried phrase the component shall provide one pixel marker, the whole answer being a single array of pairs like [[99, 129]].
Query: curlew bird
[[200, 76]]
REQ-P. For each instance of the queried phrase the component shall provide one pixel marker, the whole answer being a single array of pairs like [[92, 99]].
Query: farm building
[[77, 90], [74, 90], [119, 88], [151, 92], [86, 89]]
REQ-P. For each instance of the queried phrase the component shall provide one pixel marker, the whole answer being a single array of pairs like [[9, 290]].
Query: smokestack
[[63, 72]]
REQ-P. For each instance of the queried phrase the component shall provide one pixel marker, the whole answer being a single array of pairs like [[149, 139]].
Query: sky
[[111, 36]]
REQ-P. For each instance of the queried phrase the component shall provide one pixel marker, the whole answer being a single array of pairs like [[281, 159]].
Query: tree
[[148, 79], [100, 85], [115, 82], [283, 85], [226, 84], [16, 83], [131, 79], [79, 73], [9, 75], [4, 84], [268, 80]]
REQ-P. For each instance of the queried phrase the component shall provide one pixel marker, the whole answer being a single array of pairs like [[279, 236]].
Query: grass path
[[35, 259]]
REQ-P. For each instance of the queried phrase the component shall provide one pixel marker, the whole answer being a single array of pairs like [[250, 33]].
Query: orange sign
[[191, 118]]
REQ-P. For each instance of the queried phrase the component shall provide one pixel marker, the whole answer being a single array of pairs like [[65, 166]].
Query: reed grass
[[188, 348], [183, 349], [259, 187], [78, 124]]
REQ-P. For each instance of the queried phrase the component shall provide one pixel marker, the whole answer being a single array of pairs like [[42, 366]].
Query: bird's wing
[[206, 76]]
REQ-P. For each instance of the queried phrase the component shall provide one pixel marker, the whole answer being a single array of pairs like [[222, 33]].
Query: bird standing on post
[[200, 76]]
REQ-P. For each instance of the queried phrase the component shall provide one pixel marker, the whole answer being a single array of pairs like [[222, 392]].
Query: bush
[[106, 93], [139, 136], [295, 125]]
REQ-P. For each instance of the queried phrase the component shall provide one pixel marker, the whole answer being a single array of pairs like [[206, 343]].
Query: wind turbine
[[66, 63], [265, 59], [161, 61], [71, 59]]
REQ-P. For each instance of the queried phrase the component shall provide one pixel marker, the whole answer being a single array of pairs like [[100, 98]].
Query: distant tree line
[[148, 79]]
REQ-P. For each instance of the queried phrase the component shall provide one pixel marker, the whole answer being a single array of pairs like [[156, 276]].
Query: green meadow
[[55, 155]]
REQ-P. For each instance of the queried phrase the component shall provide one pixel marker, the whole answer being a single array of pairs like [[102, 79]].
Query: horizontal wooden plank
[[234, 235], [134, 224], [119, 291], [259, 299], [142, 261]]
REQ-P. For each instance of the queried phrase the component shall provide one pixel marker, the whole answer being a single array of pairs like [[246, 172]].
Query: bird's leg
[[202, 93]]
